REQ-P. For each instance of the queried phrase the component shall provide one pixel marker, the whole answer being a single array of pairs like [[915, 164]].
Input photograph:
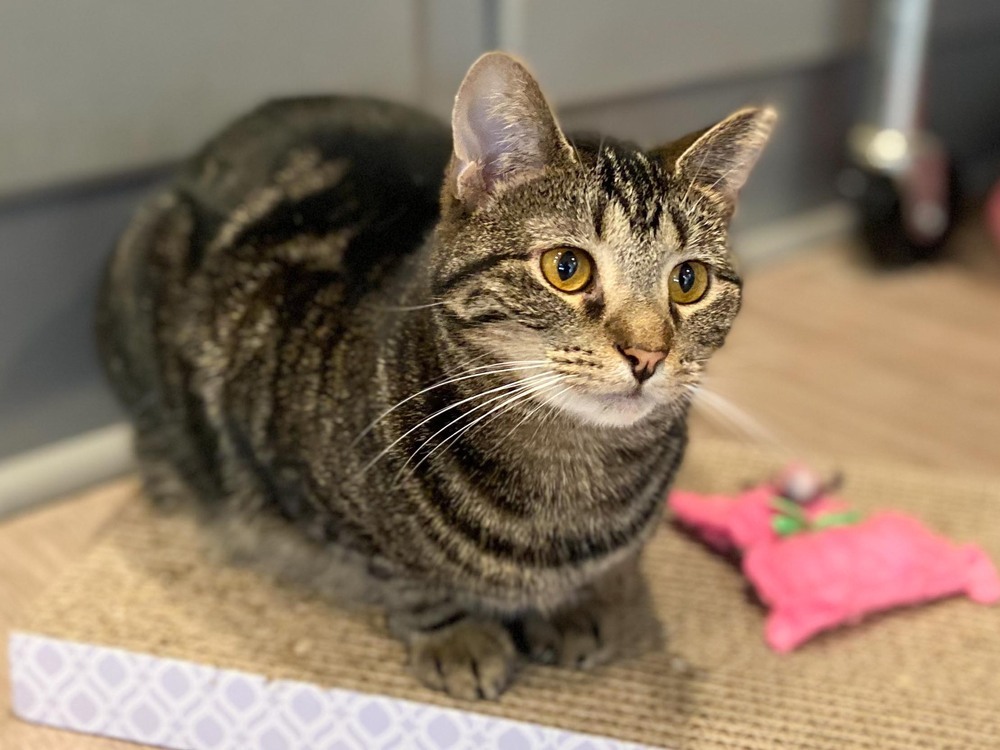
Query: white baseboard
[[64, 467]]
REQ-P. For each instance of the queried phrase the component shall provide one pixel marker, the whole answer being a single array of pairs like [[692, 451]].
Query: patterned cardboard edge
[[182, 705]]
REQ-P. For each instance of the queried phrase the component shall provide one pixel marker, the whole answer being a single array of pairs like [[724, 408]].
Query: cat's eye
[[568, 269], [688, 282]]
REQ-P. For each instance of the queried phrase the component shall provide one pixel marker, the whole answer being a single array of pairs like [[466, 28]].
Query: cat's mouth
[[630, 395], [619, 408]]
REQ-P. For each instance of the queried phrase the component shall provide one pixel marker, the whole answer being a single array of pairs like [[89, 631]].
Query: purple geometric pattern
[[186, 706]]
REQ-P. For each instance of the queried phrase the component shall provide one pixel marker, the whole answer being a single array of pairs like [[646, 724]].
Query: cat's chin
[[609, 409]]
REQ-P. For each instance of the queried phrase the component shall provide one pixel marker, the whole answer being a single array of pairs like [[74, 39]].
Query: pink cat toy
[[816, 564]]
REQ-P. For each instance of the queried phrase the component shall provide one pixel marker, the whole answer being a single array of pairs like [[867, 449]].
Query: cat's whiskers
[[509, 401], [546, 380], [509, 362], [549, 400], [553, 410], [463, 365], [705, 193], [721, 177], [506, 387], [522, 386], [736, 418], [680, 404], [512, 406], [697, 174], [410, 308], [484, 371]]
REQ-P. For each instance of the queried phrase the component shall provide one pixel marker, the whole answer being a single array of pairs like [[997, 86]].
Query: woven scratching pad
[[925, 677]]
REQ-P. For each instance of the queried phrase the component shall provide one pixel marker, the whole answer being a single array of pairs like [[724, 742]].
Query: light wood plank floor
[[827, 356], [831, 356]]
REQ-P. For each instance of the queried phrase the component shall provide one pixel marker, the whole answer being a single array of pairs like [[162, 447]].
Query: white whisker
[[525, 386], [736, 417], [485, 371], [505, 387], [697, 174], [463, 367], [524, 419], [535, 392], [548, 402], [724, 175], [511, 399], [510, 362], [408, 308]]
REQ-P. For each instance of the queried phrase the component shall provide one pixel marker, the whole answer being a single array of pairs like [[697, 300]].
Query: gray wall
[[53, 241], [52, 247], [817, 104], [99, 86]]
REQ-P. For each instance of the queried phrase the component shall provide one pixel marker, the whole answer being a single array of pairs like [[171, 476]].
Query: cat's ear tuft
[[720, 158], [503, 129]]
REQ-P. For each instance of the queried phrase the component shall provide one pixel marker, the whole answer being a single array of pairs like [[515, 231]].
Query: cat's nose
[[644, 363]]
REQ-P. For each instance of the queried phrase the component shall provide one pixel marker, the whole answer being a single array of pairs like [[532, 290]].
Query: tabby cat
[[463, 401]]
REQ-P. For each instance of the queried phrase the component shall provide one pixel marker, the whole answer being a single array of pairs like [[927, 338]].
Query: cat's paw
[[471, 659], [581, 637]]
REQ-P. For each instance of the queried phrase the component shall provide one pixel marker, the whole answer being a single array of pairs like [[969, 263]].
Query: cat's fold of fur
[[333, 336]]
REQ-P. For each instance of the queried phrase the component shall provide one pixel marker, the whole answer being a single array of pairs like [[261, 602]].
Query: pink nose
[[643, 362]]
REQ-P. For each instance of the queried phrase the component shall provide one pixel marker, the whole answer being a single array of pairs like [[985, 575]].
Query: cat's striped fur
[[364, 378]]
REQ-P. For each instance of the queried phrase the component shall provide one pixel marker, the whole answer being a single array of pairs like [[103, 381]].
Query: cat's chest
[[603, 470], [555, 492]]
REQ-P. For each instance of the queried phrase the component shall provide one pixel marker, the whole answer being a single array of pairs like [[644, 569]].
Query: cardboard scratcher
[[145, 640]]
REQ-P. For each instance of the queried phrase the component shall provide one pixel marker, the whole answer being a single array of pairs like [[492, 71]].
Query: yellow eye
[[567, 269], [688, 282]]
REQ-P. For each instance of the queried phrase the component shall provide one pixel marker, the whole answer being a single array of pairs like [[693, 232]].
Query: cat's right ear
[[503, 130]]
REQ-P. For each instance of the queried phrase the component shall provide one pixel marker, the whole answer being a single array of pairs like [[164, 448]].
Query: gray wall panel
[[52, 248]]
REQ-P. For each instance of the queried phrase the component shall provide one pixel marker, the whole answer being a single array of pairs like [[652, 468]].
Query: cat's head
[[601, 270]]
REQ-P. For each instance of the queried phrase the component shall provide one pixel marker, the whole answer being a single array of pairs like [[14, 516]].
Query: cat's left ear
[[720, 158], [503, 130]]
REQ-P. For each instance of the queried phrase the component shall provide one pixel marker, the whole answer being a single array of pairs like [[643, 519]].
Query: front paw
[[470, 659], [581, 637]]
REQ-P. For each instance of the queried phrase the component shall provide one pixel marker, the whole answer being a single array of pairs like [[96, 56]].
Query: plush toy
[[817, 564]]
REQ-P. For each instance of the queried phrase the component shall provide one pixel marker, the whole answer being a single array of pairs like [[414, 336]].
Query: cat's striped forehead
[[631, 185], [635, 208]]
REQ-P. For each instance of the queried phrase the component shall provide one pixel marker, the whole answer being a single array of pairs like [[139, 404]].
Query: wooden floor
[[828, 356]]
